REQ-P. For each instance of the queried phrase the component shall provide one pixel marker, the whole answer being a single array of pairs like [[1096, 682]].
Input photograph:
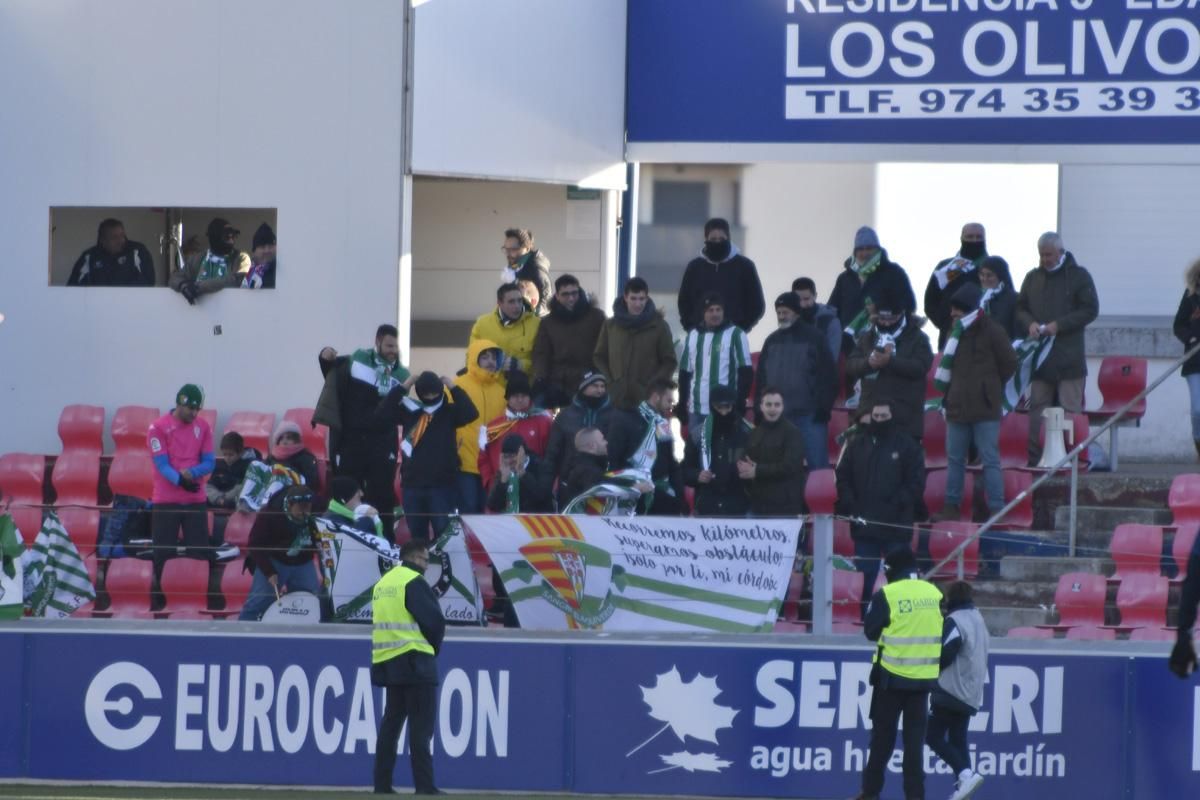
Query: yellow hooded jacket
[[486, 391], [515, 339]]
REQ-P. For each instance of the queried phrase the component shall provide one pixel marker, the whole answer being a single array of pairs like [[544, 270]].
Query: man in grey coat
[[1057, 299]]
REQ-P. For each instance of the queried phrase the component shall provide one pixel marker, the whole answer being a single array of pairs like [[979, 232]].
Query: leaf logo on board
[[690, 710]]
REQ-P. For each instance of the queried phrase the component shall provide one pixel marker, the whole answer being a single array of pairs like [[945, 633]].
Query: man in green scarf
[[518, 487]]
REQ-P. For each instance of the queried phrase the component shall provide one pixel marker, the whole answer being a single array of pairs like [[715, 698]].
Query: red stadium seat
[[843, 542], [316, 440], [820, 491], [209, 415], [791, 600], [128, 584], [1181, 549], [935, 440], [237, 529], [1142, 601], [82, 525], [21, 477], [235, 587], [1030, 632], [935, 493], [1014, 440], [943, 538], [1021, 517], [839, 421], [81, 429], [1184, 500], [76, 477], [1152, 635], [130, 424], [847, 596], [1136, 549], [185, 586], [255, 429], [1091, 633], [1121, 379], [1080, 600]]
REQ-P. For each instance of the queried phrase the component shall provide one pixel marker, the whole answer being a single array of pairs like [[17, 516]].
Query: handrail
[[1050, 471]]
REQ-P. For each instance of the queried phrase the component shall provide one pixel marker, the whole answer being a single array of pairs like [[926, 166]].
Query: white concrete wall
[[215, 103], [520, 89]]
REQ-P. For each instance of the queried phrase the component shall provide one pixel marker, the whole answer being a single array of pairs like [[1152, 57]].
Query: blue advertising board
[[914, 71], [718, 716]]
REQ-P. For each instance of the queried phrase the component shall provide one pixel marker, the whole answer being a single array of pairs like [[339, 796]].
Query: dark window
[[680, 202]]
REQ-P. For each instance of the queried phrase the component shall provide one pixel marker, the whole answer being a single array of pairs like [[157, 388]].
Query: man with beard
[[1058, 300], [721, 268], [565, 341], [866, 275], [822, 317], [772, 468], [511, 326], [589, 409], [714, 447], [880, 481], [891, 359], [635, 346], [221, 266], [795, 360], [715, 353], [952, 274], [358, 446], [114, 261], [641, 440], [528, 268]]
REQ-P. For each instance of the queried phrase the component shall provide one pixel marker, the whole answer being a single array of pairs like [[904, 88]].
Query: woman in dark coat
[[1000, 298], [1187, 330]]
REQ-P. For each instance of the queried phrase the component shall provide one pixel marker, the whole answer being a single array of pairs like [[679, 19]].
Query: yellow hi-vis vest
[[395, 630], [911, 645]]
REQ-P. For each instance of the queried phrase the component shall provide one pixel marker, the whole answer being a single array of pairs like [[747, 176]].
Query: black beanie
[[342, 488], [216, 235], [518, 383], [788, 300], [900, 563], [428, 384], [721, 395], [967, 297], [511, 444], [263, 236], [716, 223]]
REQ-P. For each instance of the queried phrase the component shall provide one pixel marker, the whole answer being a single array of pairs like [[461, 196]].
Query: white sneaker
[[967, 785], [226, 552]]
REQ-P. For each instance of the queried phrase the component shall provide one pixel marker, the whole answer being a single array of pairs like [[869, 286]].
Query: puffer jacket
[[881, 479], [983, 363], [487, 393], [796, 361], [632, 351], [1067, 297], [901, 381], [514, 338], [563, 348]]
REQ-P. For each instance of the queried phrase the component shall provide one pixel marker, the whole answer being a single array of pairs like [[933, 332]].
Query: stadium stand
[[1120, 380], [255, 428], [132, 470], [1142, 601], [1136, 550], [943, 538], [1080, 601], [21, 477]]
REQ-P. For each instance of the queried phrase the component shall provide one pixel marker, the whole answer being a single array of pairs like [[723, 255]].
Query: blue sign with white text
[[914, 71], [594, 715]]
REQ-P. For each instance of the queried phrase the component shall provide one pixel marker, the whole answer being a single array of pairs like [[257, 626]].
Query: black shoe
[[429, 791]]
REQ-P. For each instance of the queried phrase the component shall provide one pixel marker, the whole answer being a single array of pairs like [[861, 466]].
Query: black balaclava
[[717, 251], [973, 250], [216, 237]]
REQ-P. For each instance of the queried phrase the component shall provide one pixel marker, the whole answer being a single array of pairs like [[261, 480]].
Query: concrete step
[[1009, 594], [1106, 518], [1043, 569], [1000, 619], [1107, 489]]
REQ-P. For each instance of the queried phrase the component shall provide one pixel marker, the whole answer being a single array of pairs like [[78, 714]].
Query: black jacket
[[362, 431], [133, 266], [881, 478], [1187, 329], [736, 278], [625, 432], [796, 361], [534, 491], [1003, 309], [586, 471], [560, 449], [536, 270], [901, 381], [433, 463], [1067, 297], [849, 292], [777, 449], [937, 299], [413, 667], [725, 495]]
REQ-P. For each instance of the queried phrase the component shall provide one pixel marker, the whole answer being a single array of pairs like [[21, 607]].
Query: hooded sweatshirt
[[486, 391], [735, 278], [634, 350], [514, 337]]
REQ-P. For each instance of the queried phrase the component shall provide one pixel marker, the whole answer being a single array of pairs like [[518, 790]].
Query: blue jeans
[[1193, 382], [470, 493], [986, 436], [816, 436], [426, 510], [296, 578]]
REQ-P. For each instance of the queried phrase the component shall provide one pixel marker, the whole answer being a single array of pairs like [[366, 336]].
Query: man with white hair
[[1058, 299]]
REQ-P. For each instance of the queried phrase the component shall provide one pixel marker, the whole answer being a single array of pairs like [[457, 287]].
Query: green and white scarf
[[512, 491], [643, 458], [12, 604], [954, 269], [368, 366], [941, 376], [1031, 354], [863, 320], [56, 580], [213, 267]]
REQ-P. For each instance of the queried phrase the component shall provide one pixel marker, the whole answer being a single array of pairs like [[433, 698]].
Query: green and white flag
[[945, 368], [641, 573], [1031, 354], [56, 580], [12, 583]]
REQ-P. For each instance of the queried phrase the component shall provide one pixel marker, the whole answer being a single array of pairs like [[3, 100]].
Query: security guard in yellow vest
[[406, 637], [905, 618]]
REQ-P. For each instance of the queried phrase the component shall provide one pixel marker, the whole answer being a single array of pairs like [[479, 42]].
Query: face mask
[[973, 250], [880, 427], [717, 251], [594, 402]]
